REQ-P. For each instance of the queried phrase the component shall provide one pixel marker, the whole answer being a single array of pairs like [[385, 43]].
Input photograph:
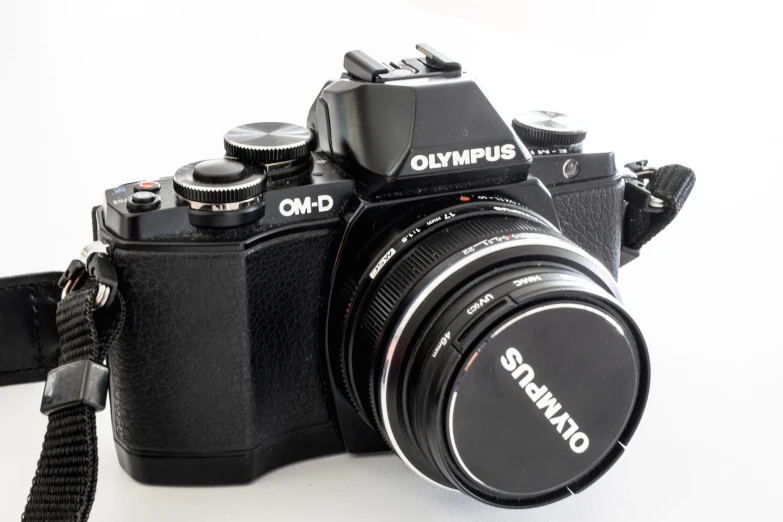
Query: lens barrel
[[494, 355]]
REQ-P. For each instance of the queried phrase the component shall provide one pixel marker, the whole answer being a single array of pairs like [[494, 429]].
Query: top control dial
[[548, 129], [269, 142]]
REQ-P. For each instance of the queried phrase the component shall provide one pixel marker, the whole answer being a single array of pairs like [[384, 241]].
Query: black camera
[[410, 272]]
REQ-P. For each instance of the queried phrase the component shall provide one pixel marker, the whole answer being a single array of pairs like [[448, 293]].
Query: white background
[[93, 94]]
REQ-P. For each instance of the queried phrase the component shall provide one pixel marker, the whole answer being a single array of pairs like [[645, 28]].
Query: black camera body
[[264, 290]]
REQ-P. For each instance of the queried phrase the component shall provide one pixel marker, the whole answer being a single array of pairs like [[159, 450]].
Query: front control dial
[[218, 182]]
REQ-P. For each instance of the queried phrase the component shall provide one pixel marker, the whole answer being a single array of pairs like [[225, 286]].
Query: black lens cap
[[543, 400]]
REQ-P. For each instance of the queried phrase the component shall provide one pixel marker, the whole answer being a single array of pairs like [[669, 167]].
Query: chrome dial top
[[269, 142]]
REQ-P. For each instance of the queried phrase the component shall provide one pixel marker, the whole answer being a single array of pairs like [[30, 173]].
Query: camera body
[[231, 361]]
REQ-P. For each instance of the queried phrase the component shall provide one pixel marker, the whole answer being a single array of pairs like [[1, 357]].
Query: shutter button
[[142, 201], [146, 186]]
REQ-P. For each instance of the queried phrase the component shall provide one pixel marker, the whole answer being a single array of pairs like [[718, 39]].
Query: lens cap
[[543, 400]]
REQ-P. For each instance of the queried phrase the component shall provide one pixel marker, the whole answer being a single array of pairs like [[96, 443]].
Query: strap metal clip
[[93, 262], [637, 175]]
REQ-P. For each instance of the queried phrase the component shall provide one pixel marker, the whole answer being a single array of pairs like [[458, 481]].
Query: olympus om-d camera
[[410, 271]]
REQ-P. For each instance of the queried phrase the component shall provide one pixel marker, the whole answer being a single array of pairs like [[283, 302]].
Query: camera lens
[[494, 355]]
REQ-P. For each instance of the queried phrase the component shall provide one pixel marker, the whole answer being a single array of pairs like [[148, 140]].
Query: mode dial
[[547, 129], [269, 142]]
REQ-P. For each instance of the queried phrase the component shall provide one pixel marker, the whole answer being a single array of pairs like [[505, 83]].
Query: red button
[[148, 186]]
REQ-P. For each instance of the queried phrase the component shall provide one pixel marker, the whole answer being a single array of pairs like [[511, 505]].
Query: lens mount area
[[456, 327]]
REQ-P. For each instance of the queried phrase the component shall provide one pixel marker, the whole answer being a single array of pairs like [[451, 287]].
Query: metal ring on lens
[[525, 239]]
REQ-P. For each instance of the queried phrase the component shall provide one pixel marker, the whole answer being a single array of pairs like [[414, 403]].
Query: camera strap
[[29, 345], [655, 197], [89, 319]]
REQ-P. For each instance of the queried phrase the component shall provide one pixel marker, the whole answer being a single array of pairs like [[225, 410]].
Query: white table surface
[[96, 93]]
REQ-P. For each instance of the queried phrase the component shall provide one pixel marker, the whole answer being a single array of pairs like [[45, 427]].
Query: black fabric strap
[[64, 485], [29, 346], [672, 184]]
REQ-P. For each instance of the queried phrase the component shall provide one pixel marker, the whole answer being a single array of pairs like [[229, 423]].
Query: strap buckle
[[73, 384], [637, 175], [93, 262]]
